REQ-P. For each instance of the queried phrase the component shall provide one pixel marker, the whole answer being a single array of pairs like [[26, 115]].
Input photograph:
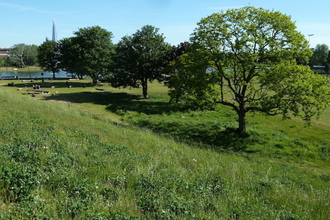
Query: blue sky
[[30, 22]]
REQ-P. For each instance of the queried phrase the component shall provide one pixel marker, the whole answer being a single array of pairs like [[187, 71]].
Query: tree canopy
[[320, 56], [89, 52], [21, 55], [140, 58], [260, 59], [48, 57], [192, 81]]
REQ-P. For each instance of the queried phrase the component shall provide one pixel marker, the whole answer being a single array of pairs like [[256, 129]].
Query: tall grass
[[63, 162]]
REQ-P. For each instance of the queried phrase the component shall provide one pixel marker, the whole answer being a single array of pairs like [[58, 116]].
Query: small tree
[[140, 58], [256, 54], [320, 55], [49, 57]]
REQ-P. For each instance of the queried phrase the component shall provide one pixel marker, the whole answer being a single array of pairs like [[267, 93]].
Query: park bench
[[8, 77]]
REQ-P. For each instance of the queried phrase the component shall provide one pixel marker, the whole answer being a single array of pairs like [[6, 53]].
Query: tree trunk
[[54, 75], [145, 89], [241, 119], [94, 81]]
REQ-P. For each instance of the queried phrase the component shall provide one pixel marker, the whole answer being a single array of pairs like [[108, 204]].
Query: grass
[[20, 70], [112, 155]]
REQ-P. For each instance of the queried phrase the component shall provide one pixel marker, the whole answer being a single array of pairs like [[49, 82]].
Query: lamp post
[[309, 37]]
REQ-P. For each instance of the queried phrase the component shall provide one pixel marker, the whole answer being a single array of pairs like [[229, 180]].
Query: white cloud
[[17, 7], [28, 8]]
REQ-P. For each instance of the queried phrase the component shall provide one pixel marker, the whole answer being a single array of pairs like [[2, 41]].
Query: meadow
[[104, 153]]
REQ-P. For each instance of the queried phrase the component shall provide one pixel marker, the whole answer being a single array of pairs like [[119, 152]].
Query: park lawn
[[105, 153], [122, 105]]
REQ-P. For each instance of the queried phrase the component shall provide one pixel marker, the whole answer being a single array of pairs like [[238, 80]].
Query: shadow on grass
[[212, 136], [118, 102], [229, 140], [208, 136]]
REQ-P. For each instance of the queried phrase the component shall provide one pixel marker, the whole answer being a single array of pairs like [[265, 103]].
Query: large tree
[[21, 55], [256, 54], [68, 57], [49, 57], [89, 52], [140, 58]]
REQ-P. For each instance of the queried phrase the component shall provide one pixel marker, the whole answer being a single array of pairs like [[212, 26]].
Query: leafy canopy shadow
[[211, 134]]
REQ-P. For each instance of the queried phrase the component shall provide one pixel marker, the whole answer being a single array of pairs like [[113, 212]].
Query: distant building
[[3, 52], [54, 36], [54, 33]]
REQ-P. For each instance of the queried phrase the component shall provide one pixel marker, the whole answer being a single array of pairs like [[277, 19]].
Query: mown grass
[[21, 70], [71, 161]]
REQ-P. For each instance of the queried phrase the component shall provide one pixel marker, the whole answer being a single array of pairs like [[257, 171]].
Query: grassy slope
[[62, 162]]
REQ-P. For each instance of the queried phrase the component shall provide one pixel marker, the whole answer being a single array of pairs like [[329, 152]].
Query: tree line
[[321, 57], [249, 59], [21, 55]]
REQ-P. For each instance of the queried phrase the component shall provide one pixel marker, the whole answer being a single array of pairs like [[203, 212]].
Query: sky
[[30, 22]]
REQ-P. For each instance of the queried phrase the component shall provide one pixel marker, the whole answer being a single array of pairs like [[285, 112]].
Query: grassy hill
[[107, 154]]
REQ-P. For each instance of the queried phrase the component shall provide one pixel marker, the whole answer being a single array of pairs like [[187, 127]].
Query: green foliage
[[3, 61], [49, 57], [21, 55], [165, 197], [246, 46], [192, 82], [320, 55], [294, 89], [89, 52], [215, 130], [140, 58], [18, 181]]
